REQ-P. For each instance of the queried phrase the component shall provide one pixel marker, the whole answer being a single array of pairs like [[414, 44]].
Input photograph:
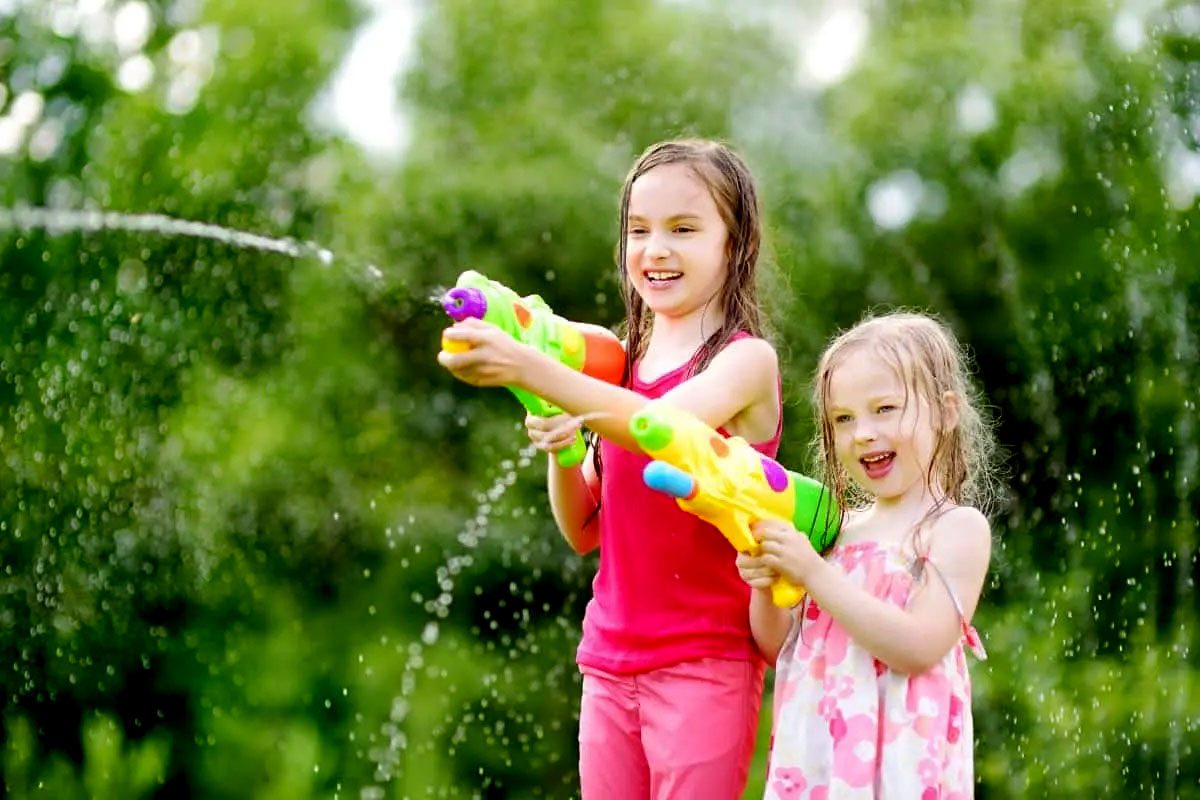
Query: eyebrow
[[875, 398], [673, 218]]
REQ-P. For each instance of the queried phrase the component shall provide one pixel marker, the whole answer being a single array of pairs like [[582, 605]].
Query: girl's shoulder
[[967, 520], [960, 532], [748, 356], [745, 339], [956, 515], [748, 369]]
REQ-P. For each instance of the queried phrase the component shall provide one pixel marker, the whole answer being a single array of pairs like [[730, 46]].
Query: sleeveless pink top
[[666, 590]]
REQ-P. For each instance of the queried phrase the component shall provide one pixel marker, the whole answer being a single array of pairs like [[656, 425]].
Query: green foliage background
[[257, 544]]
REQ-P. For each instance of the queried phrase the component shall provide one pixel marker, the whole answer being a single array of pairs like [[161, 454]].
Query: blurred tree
[[256, 543]]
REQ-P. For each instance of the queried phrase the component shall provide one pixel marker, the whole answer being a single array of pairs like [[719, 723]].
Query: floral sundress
[[847, 726]]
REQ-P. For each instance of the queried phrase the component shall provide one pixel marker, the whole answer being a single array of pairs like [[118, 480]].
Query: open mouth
[[662, 277], [877, 465]]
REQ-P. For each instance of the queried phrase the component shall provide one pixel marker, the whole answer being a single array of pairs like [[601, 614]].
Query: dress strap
[[970, 635]]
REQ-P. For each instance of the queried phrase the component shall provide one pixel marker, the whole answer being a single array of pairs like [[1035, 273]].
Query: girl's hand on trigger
[[755, 571], [494, 357], [551, 434], [784, 549]]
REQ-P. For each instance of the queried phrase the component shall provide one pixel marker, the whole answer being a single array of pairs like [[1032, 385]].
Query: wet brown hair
[[732, 188], [930, 362]]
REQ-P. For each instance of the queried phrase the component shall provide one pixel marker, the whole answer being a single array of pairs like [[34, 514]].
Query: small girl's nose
[[657, 247], [864, 431]]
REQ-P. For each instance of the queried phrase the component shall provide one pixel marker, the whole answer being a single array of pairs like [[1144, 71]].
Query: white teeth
[[876, 459], [662, 276]]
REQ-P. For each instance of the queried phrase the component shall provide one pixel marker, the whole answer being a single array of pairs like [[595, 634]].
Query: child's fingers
[[552, 433], [454, 363], [555, 439], [462, 338], [468, 329], [462, 365], [543, 424], [759, 579], [764, 528], [559, 439], [753, 567], [565, 426], [774, 531], [777, 547]]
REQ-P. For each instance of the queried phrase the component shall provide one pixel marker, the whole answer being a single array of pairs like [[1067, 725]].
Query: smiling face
[[884, 432], [675, 247]]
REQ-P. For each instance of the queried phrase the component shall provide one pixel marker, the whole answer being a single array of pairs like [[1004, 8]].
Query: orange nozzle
[[604, 355]]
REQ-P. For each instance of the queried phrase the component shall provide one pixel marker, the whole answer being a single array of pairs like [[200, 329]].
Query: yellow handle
[[455, 345], [786, 595]]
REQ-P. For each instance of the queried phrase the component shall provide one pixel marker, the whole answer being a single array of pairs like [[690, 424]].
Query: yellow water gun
[[729, 484]]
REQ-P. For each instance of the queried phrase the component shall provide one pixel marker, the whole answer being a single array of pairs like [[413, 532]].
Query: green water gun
[[729, 484], [590, 349]]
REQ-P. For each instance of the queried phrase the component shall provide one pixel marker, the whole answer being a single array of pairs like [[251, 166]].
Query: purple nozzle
[[464, 301], [776, 475]]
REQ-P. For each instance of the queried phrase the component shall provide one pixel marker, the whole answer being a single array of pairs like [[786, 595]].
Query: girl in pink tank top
[[672, 679]]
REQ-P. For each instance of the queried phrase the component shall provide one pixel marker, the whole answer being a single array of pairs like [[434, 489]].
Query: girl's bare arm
[[574, 494], [908, 640], [740, 381]]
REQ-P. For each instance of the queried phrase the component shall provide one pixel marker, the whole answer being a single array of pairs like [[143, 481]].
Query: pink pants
[[684, 731]]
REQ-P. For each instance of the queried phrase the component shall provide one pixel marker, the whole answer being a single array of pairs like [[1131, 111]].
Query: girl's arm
[[573, 500], [769, 624], [573, 490], [908, 640], [739, 385]]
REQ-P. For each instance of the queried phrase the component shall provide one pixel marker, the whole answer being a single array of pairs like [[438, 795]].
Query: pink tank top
[[666, 590]]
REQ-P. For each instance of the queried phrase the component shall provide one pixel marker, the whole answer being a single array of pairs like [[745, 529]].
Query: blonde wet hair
[[930, 362]]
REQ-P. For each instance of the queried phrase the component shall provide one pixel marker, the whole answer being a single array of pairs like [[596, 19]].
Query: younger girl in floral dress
[[872, 694]]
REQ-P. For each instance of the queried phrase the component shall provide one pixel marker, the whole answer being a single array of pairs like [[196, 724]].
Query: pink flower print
[[927, 702], [927, 770], [854, 750], [955, 725], [811, 637], [789, 783], [830, 700], [825, 646], [785, 689], [837, 725], [816, 667], [811, 610], [850, 557], [820, 793], [836, 644], [836, 685], [876, 570], [897, 591]]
